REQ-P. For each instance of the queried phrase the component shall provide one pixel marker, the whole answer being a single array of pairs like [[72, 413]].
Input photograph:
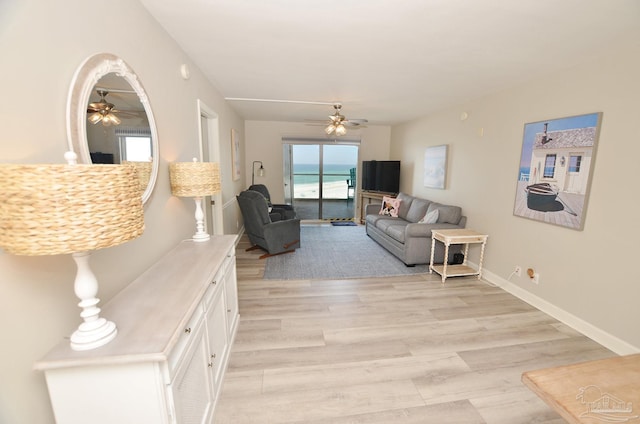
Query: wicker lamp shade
[[144, 172], [57, 209], [194, 179]]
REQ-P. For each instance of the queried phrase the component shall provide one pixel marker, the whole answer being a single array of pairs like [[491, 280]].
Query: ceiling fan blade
[[129, 112]]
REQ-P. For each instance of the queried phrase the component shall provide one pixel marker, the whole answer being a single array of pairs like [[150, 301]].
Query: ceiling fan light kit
[[338, 129], [338, 122], [107, 118], [103, 111]]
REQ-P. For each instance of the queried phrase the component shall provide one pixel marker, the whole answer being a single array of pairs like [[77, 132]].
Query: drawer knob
[[187, 330], [214, 282], [210, 365], [213, 356]]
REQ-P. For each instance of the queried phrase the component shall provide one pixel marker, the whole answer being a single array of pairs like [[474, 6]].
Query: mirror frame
[[84, 80]]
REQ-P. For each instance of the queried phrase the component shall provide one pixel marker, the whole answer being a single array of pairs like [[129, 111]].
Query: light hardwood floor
[[386, 350]]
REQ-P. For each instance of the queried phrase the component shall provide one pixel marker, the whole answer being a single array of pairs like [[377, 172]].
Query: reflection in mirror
[[110, 119], [118, 128]]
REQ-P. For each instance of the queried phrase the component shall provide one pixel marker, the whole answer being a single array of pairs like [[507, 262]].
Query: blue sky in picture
[[530, 131]]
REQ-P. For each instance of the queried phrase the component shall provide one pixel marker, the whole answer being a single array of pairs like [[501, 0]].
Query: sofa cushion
[[390, 206], [446, 213], [430, 217], [372, 219], [383, 224], [396, 232], [407, 201], [417, 210]]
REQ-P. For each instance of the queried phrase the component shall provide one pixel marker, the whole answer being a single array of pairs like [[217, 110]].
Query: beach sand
[[332, 190]]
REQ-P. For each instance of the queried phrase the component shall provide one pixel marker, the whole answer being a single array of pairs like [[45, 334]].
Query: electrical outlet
[[518, 271]]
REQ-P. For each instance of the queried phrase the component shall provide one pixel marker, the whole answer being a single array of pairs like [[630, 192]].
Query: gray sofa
[[408, 239]]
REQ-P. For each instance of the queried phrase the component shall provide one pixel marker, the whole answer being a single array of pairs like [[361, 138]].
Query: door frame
[[209, 146], [289, 142]]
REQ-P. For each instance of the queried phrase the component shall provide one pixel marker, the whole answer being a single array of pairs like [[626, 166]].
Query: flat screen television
[[381, 175]]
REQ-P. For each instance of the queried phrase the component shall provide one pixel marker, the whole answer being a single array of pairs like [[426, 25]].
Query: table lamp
[[143, 168], [53, 209], [195, 179]]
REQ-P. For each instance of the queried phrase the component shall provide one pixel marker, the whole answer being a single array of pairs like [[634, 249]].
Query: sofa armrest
[[372, 209], [424, 230]]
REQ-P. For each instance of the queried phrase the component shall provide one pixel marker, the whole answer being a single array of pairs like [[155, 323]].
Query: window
[[549, 166], [574, 163], [135, 144], [135, 149]]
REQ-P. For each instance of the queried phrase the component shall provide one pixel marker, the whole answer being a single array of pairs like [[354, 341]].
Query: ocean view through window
[[320, 175], [306, 179]]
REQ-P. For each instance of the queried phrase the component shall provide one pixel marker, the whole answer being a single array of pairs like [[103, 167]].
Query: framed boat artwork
[[556, 168]]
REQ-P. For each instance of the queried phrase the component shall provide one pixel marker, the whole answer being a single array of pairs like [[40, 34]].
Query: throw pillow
[[390, 206], [430, 217]]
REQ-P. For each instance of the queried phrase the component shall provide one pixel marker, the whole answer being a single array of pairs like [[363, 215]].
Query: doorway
[[321, 179], [210, 152]]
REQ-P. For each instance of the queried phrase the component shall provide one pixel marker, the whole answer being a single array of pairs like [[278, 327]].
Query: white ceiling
[[389, 61]]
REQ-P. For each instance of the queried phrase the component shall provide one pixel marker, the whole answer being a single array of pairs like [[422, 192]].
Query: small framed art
[[435, 166]]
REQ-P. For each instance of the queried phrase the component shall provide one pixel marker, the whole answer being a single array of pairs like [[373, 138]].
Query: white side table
[[456, 236]]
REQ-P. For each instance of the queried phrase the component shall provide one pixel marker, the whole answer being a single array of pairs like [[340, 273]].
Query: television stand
[[370, 195]]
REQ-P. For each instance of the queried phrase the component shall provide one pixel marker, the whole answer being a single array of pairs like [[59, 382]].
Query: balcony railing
[[306, 186]]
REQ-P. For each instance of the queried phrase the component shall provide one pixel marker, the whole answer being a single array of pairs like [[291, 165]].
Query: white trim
[[214, 212], [229, 202], [607, 340], [348, 140]]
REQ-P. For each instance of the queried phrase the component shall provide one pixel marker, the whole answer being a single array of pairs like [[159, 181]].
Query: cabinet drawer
[[218, 280], [215, 285], [186, 338]]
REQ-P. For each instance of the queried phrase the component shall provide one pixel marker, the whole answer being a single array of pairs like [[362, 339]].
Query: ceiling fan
[[106, 112], [103, 111], [338, 123]]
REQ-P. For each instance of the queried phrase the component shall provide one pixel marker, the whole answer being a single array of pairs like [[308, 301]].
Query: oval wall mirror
[[109, 118]]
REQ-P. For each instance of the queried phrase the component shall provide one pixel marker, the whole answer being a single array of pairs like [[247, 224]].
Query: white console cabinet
[[176, 324]]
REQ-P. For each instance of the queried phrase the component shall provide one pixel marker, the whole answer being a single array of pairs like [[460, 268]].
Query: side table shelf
[[456, 236]]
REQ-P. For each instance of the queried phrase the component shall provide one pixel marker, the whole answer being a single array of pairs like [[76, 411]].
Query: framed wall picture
[[556, 168], [435, 166], [235, 155]]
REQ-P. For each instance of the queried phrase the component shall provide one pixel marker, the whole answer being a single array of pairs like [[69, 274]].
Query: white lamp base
[[90, 338], [94, 331], [200, 234]]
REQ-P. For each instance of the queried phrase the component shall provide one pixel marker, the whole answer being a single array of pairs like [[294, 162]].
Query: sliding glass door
[[321, 179]]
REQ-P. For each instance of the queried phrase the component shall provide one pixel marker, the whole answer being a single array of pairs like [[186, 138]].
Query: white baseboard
[[607, 340]]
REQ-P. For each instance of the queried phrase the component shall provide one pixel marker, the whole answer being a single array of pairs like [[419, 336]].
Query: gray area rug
[[330, 252]]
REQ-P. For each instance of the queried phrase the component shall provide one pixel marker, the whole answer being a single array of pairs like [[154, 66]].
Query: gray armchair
[[285, 210], [276, 237]]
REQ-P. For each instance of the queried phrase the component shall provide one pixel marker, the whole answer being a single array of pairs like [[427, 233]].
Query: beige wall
[[264, 143], [586, 277], [41, 45]]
